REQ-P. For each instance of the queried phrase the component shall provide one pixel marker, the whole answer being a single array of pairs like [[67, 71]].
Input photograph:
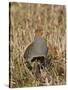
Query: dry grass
[[24, 19]]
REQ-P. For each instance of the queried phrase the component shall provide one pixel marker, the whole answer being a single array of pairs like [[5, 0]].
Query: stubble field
[[24, 19]]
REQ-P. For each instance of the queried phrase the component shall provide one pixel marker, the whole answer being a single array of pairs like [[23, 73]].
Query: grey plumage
[[37, 52], [37, 49]]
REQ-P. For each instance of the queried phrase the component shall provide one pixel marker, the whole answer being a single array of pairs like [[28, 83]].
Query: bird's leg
[[42, 64], [34, 65], [36, 69]]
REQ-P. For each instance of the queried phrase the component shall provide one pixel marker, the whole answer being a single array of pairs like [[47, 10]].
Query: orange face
[[39, 32]]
